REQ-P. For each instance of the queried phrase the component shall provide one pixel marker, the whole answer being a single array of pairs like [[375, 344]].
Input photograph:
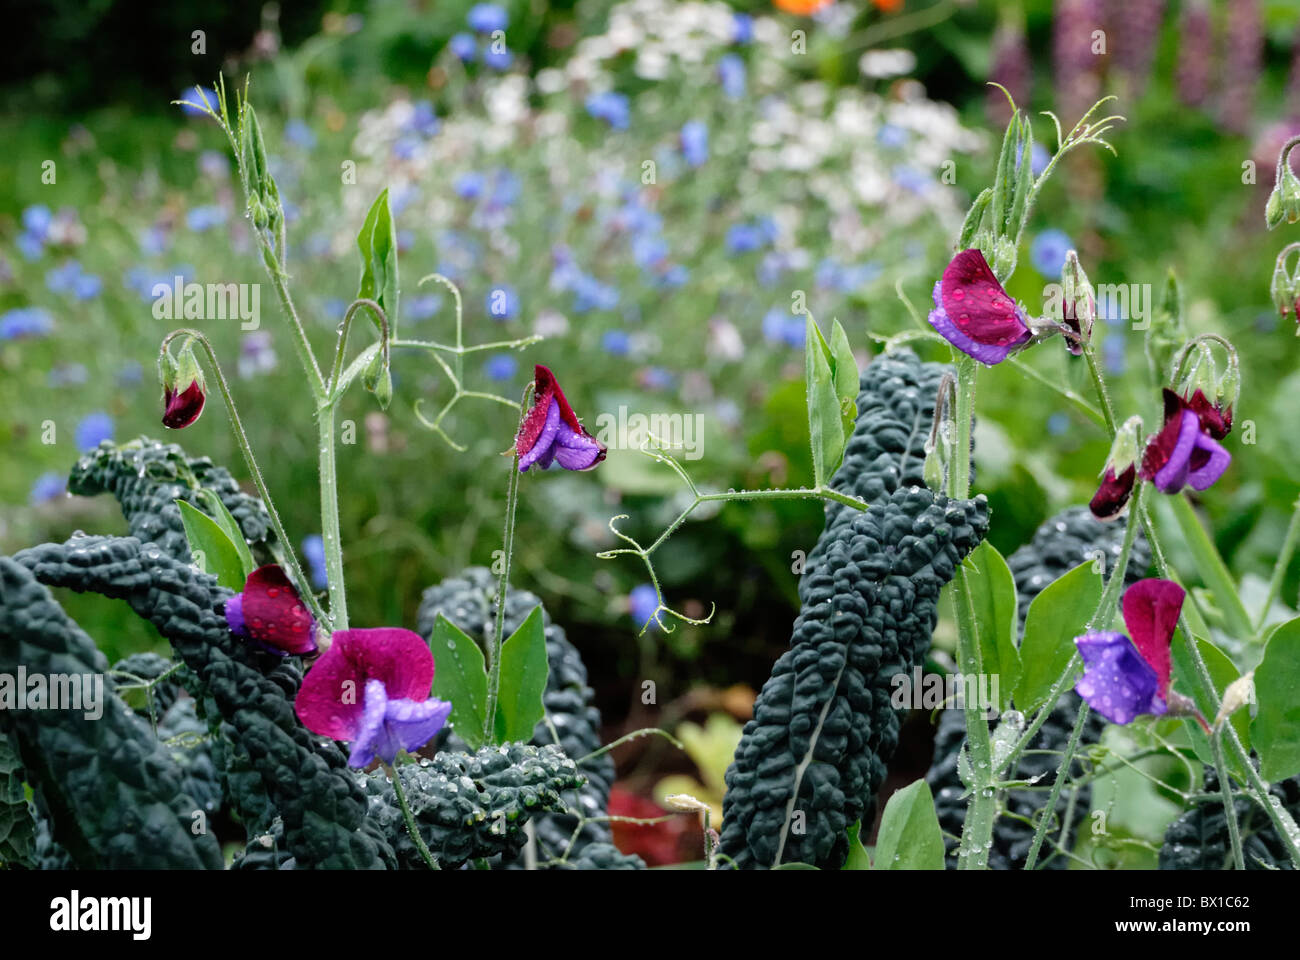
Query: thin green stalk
[[241, 438], [1063, 771], [507, 550], [411, 827], [1099, 384], [329, 519], [1213, 570], [1229, 808]]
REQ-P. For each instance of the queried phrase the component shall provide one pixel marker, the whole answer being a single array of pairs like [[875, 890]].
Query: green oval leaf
[[992, 592], [1057, 615], [214, 508], [524, 669], [909, 836], [825, 424], [858, 858], [1277, 717], [460, 678], [212, 549]]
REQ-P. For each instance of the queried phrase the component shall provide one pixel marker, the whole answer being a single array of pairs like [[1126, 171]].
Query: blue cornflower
[[642, 603], [422, 307], [731, 74], [25, 322], [611, 107], [131, 374], [1057, 424], [674, 276], [742, 28], [200, 219], [299, 134], [196, 95], [61, 279], [487, 17], [695, 142], [469, 185], [909, 178], [47, 487], [31, 245], [313, 551], [153, 240], [744, 238], [649, 250], [69, 374], [463, 46], [1113, 357], [423, 121], [501, 366], [502, 302], [1047, 252], [498, 59], [616, 342], [93, 429], [36, 220], [591, 294], [891, 135]]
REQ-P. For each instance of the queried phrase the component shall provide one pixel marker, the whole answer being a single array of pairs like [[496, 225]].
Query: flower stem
[[507, 549], [1229, 808], [241, 438], [1049, 809], [329, 519], [1212, 569], [411, 827]]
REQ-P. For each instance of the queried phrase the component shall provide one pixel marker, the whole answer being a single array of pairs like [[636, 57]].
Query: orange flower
[[803, 7], [888, 6]]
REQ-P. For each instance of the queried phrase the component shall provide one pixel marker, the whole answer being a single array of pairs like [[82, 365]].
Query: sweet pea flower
[[1125, 678], [973, 312], [552, 432], [371, 689], [270, 613], [1187, 450]]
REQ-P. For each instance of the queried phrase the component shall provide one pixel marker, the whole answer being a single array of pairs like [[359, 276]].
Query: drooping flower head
[[973, 312], [184, 389], [1187, 451], [371, 688], [271, 614], [1125, 678], [1120, 472], [552, 432]]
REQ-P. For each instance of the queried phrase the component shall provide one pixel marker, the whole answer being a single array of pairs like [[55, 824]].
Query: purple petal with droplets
[[1116, 681], [983, 352]]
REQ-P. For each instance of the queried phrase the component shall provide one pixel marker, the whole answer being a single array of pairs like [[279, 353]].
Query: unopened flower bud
[[1120, 472], [684, 803], [1282, 289], [1078, 302], [1239, 693], [1004, 257], [184, 389]]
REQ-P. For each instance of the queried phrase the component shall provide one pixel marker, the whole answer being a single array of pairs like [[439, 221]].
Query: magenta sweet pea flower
[[181, 408], [552, 432], [973, 312], [271, 614], [1124, 678], [371, 688], [1187, 450]]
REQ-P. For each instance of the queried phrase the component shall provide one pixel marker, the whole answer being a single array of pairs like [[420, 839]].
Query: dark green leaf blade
[[524, 669], [460, 678], [211, 548]]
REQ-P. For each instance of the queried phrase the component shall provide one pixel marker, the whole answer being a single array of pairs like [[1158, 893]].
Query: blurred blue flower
[[486, 17], [742, 28], [153, 240], [31, 245], [67, 375], [402, 196], [591, 294], [611, 107], [1113, 357], [674, 276], [497, 59], [649, 250], [93, 429], [469, 185], [131, 374], [423, 121], [1038, 159], [1058, 423], [86, 286], [909, 178], [695, 142], [501, 366], [505, 187], [656, 378], [36, 220], [47, 487], [423, 306], [463, 46], [781, 326], [616, 342], [405, 240], [313, 551], [891, 135], [60, 279], [744, 238], [25, 322], [196, 94], [204, 218], [731, 74], [1048, 250], [299, 134], [502, 302], [404, 148], [214, 164], [256, 354], [642, 604], [336, 308]]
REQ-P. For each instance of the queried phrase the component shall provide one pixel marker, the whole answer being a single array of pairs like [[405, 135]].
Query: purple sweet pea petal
[[388, 726], [986, 353], [573, 451], [235, 615], [541, 447], [1172, 477], [1203, 476], [1116, 681]]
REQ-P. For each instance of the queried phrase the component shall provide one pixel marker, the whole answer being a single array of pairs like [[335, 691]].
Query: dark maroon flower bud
[[1183, 452], [1113, 494], [183, 408], [1215, 421]]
